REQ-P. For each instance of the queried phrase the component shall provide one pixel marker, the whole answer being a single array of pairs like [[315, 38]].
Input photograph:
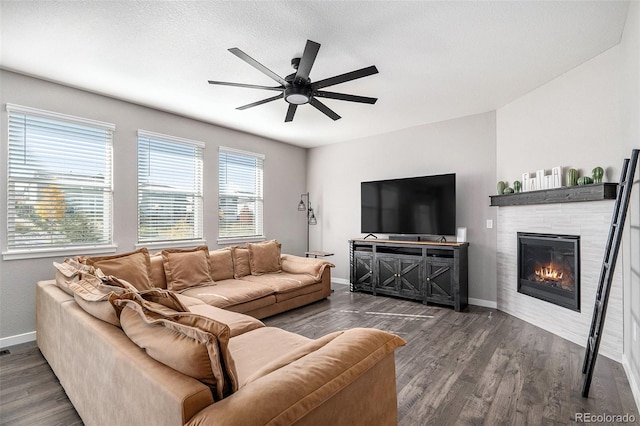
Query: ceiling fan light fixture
[[297, 95]]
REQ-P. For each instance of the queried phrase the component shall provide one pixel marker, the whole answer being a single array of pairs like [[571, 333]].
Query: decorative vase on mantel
[[572, 177], [597, 174]]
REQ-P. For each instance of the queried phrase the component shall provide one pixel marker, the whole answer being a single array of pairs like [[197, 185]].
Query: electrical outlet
[[489, 223]]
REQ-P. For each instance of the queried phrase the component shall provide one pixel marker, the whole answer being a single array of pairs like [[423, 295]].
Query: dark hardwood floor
[[479, 367]]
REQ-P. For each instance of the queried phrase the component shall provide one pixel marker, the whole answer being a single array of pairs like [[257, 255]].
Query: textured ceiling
[[437, 59]]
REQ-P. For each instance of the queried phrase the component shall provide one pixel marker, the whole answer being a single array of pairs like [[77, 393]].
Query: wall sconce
[[311, 217]]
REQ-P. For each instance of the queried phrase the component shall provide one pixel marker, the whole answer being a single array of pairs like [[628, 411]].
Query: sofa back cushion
[[189, 343], [221, 264], [93, 293], [241, 262], [133, 267], [264, 257], [186, 268], [158, 278]]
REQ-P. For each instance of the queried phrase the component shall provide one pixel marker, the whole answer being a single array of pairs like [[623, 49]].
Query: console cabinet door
[[440, 281], [410, 278], [399, 276], [363, 271], [386, 275]]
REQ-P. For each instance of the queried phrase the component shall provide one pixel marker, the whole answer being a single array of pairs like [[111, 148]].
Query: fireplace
[[549, 268]]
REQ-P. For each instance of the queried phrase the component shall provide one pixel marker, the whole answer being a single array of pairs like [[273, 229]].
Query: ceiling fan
[[297, 88]]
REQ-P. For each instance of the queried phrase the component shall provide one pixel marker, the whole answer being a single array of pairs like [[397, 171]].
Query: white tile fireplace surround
[[590, 220]]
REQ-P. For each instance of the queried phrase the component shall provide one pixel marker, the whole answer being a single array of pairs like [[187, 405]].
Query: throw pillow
[[186, 268], [221, 264], [93, 293], [70, 271], [133, 267], [264, 257], [191, 344], [158, 278], [241, 263]]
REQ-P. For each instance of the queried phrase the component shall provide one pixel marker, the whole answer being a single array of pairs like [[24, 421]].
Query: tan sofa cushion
[[71, 270], [133, 267], [241, 262], [158, 278], [304, 265], [288, 394], [229, 293], [189, 343], [283, 282], [238, 323], [264, 257], [221, 264], [93, 294], [257, 348], [186, 268]]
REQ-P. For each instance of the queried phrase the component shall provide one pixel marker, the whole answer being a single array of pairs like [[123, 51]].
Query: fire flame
[[549, 273]]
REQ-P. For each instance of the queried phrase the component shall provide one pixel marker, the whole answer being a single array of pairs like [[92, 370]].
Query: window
[[169, 188], [59, 181], [240, 194]]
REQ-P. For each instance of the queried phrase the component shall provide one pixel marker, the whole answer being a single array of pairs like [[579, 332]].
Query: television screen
[[420, 205]]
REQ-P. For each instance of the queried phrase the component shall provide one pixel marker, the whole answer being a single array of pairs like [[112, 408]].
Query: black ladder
[[608, 267]]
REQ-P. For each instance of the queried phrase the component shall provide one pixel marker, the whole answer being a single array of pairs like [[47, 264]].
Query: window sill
[[57, 252], [240, 240], [160, 245]]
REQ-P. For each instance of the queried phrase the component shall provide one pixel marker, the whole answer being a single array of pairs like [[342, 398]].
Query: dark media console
[[430, 272]]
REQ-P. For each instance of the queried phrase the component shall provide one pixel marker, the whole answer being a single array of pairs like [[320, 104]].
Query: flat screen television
[[423, 205]]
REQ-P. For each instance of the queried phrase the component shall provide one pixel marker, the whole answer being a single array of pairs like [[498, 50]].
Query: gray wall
[[285, 178], [465, 146]]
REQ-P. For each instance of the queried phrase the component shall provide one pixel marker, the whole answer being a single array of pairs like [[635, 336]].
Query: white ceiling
[[437, 59]]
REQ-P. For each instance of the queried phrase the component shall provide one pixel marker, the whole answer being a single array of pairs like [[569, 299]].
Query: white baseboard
[[634, 382], [483, 303], [342, 281], [5, 342], [472, 301]]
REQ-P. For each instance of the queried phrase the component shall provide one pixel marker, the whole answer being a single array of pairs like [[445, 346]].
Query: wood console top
[[419, 243]]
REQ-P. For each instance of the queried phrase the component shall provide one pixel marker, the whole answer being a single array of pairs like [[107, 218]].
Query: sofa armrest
[[304, 265], [312, 386]]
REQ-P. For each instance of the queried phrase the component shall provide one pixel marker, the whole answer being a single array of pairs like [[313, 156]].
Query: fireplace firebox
[[549, 268]]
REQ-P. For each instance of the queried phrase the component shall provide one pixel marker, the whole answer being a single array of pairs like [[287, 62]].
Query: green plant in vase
[[517, 186], [597, 174], [572, 177], [585, 180]]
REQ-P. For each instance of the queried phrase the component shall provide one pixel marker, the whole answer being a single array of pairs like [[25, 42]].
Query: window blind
[[169, 188], [240, 182], [59, 180]]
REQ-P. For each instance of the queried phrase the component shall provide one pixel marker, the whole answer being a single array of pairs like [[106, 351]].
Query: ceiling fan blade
[[306, 62], [323, 108], [257, 65], [249, 86], [353, 75], [345, 97], [264, 101], [290, 112]]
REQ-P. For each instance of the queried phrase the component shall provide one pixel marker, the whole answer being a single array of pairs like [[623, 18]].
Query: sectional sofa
[[178, 347]]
